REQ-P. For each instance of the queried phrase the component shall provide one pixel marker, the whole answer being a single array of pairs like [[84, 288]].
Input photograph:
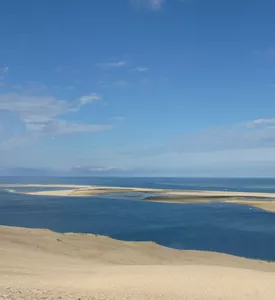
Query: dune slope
[[41, 264]]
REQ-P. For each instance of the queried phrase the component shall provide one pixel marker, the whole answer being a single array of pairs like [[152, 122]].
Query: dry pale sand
[[40, 264], [77, 190]]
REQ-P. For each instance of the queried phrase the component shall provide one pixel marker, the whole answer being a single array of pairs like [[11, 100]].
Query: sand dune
[[40, 264]]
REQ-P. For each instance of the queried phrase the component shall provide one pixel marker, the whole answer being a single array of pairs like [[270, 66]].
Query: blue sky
[[138, 87]]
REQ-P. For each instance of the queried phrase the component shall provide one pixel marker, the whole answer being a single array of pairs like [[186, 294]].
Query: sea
[[228, 228]]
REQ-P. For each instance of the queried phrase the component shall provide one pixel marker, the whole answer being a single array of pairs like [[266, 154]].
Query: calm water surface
[[228, 228]]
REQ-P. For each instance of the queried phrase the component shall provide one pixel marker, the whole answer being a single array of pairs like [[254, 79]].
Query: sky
[[137, 87]]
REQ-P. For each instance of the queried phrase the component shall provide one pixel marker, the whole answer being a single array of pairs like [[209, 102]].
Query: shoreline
[[252, 199], [87, 190], [39, 263], [266, 205]]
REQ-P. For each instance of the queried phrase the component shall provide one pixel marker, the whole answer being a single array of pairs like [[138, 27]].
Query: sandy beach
[[41, 264]]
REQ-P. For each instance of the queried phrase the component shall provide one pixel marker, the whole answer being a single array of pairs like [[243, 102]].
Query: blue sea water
[[227, 228], [231, 184]]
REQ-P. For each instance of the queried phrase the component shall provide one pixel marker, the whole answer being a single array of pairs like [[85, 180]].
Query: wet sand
[[41, 264]]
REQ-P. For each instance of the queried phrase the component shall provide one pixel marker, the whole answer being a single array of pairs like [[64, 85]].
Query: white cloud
[[113, 64], [140, 69], [89, 99]]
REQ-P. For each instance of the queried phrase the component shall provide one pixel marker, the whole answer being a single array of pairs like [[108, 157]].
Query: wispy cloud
[[60, 127], [42, 115], [260, 122], [251, 135], [113, 64], [254, 134], [151, 4], [29, 107], [140, 69], [89, 99]]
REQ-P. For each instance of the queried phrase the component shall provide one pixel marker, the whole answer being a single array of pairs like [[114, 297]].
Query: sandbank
[[265, 201], [267, 205]]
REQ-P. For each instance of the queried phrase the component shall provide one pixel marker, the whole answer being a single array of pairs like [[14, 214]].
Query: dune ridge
[[41, 264]]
